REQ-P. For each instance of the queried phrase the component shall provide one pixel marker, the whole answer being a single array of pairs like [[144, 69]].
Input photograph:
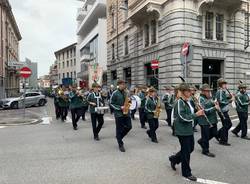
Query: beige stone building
[[9, 50], [66, 64], [216, 30]]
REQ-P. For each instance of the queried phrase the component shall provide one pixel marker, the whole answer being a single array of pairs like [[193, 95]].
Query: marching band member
[[119, 102], [76, 104], [95, 101], [242, 102], [56, 103], [168, 100], [183, 120], [224, 101], [142, 113], [85, 103], [63, 103], [110, 92], [208, 129], [150, 108]]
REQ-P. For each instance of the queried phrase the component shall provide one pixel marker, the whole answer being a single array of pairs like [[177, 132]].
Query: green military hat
[[206, 87], [184, 87], [151, 90], [221, 81], [241, 86], [95, 85]]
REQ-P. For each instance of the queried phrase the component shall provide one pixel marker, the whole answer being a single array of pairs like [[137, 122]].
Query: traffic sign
[[185, 49], [154, 64], [25, 72]]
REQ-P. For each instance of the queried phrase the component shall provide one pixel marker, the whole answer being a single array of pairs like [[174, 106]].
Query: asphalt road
[[55, 154]]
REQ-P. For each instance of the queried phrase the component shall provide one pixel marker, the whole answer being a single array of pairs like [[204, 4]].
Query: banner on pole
[[95, 74]]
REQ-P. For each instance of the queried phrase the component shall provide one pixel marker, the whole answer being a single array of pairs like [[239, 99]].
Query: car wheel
[[14, 105], [41, 102]]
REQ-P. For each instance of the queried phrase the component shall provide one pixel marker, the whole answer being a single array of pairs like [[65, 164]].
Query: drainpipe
[[247, 14], [117, 33]]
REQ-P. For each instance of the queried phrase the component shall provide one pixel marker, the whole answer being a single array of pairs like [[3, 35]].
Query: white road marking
[[46, 121], [205, 181], [108, 119], [68, 120], [2, 127]]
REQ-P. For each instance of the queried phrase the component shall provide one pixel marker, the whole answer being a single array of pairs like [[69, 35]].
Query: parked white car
[[31, 99]]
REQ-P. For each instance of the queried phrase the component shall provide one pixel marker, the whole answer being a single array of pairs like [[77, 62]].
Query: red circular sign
[[185, 49], [25, 72], [154, 64]]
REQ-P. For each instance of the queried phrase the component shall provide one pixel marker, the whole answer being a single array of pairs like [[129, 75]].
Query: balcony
[[81, 14], [229, 5], [141, 8], [85, 58], [97, 11]]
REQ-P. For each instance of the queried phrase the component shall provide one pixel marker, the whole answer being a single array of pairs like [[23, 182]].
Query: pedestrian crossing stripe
[[205, 181], [2, 127]]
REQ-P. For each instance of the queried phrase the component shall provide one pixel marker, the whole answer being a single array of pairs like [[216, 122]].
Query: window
[[219, 27], [74, 62], [153, 31], [127, 76], [63, 55], [70, 52], [67, 54], [151, 75], [113, 20], [71, 74], [113, 51], [67, 63], [59, 76], [74, 74], [63, 75], [209, 25], [59, 65], [126, 45], [71, 62], [146, 35], [125, 8], [67, 74], [63, 65]]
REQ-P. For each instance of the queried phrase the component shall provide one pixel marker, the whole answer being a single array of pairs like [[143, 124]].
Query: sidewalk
[[17, 117]]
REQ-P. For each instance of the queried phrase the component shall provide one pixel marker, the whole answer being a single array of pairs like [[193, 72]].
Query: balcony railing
[[81, 14]]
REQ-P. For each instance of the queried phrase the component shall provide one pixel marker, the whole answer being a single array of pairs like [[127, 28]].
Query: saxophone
[[127, 104], [158, 110]]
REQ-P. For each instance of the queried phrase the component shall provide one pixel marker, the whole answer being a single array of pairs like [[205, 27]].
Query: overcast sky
[[45, 26]]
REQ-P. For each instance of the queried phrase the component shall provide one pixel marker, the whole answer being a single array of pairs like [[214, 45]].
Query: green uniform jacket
[[94, 97], [143, 99], [62, 102], [75, 101], [210, 110], [242, 102], [183, 118], [168, 100], [150, 106], [223, 100], [56, 100], [117, 101]]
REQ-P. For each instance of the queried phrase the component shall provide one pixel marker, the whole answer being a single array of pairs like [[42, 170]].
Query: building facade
[[140, 31], [53, 74], [91, 38], [66, 64], [9, 50]]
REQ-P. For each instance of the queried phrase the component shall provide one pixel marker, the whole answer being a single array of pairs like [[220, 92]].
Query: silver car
[[31, 99]]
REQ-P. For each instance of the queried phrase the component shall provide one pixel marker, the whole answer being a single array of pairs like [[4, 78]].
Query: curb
[[31, 122]]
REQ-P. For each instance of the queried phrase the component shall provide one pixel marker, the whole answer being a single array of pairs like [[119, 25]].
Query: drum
[[133, 104], [101, 110]]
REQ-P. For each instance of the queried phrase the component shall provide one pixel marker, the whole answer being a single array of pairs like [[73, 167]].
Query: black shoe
[[148, 134], [97, 138], [154, 140], [246, 138], [75, 128], [144, 127], [172, 163], [199, 142], [121, 148], [83, 119], [224, 143], [217, 138], [192, 178], [235, 133], [208, 154]]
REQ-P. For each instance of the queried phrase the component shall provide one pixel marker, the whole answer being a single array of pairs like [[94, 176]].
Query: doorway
[[211, 72]]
